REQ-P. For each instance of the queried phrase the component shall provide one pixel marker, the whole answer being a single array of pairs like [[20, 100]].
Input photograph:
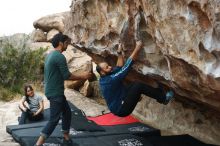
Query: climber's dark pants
[[134, 91]]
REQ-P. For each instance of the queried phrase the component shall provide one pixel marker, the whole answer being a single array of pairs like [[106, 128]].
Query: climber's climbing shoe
[[169, 97]]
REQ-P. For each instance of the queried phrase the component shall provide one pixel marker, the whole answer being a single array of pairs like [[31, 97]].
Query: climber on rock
[[122, 99]]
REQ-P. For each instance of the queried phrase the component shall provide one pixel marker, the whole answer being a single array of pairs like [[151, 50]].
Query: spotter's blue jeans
[[59, 108]]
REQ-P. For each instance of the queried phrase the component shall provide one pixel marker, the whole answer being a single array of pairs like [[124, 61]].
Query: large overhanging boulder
[[181, 40]]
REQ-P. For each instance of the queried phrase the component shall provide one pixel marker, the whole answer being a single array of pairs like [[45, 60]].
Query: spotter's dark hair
[[25, 92], [59, 38]]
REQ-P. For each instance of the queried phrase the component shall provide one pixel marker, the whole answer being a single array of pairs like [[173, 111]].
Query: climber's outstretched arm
[[120, 61], [137, 49]]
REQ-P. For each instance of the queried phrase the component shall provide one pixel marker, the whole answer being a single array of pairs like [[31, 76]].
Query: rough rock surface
[[181, 50], [180, 40], [38, 36], [51, 34], [180, 118], [77, 62], [55, 21]]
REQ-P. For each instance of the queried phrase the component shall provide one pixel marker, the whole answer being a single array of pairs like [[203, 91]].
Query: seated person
[[121, 99], [31, 106]]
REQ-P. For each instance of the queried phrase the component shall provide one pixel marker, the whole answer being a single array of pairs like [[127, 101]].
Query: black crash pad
[[110, 140], [137, 129]]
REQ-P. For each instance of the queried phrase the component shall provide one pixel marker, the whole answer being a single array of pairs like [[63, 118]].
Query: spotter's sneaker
[[64, 142], [68, 143]]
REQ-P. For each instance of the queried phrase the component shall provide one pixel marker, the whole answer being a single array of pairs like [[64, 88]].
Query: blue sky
[[17, 16]]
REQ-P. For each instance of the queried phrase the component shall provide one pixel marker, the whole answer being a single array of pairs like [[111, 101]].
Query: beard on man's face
[[110, 72], [64, 49]]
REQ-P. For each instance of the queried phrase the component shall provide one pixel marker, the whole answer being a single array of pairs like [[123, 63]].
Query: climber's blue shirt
[[112, 87]]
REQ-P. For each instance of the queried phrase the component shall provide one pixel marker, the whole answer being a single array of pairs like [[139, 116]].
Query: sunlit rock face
[[181, 40], [49, 22]]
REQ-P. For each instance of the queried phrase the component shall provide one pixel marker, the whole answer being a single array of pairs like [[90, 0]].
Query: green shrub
[[5, 94], [19, 65]]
